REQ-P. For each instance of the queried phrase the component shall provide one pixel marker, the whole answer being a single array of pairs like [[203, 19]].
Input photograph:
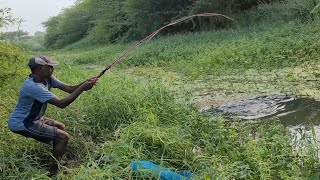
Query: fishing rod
[[156, 32]]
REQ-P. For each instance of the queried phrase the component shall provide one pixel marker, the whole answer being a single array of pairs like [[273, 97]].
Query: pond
[[291, 111], [300, 115]]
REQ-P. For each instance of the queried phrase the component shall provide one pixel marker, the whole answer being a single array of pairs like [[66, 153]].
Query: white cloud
[[34, 12]]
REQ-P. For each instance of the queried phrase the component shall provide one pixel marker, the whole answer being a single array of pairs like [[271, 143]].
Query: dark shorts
[[40, 131]]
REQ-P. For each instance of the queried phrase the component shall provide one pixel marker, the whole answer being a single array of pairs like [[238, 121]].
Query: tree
[[38, 33], [14, 36], [147, 16], [111, 21], [69, 26], [7, 19]]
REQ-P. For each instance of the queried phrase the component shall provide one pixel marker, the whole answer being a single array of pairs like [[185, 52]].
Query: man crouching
[[28, 119]]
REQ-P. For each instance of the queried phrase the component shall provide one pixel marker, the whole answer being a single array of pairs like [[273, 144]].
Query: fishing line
[[156, 32]]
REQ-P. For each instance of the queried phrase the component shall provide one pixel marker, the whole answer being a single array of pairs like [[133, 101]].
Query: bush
[[11, 58], [103, 22]]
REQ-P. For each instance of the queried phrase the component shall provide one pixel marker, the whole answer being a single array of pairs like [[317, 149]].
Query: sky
[[34, 12]]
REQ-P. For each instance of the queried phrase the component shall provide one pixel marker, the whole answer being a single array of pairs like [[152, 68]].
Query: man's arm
[[62, 103], [70, 89]]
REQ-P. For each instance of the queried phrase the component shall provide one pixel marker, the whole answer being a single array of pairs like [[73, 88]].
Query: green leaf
[[316, 9]]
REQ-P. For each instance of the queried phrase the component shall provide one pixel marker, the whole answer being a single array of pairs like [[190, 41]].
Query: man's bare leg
[[59, 148], [60, 144]]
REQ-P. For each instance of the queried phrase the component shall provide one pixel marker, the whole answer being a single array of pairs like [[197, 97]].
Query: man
[[27, 118]]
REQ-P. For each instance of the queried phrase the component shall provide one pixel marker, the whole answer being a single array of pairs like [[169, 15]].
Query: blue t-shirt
[[32, 102]]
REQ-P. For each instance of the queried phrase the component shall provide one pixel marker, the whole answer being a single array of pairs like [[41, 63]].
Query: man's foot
[[103, 160], [53, 170], [64, 162], [67, 171]]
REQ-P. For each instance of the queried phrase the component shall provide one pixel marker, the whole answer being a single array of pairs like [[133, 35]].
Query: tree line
[[109, 21]]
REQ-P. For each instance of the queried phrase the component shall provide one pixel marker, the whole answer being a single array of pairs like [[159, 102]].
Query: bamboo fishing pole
[[156, 32]]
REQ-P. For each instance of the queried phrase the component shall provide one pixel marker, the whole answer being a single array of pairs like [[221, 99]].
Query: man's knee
[[61, 126], [52, 122], [62, 136]]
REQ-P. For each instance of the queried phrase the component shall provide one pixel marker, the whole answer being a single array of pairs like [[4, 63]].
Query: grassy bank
[[141, 108], [262, 47]]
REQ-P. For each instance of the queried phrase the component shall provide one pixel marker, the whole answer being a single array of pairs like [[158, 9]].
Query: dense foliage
[[6, 17], [14, 36], [10, 58], [97, 21]]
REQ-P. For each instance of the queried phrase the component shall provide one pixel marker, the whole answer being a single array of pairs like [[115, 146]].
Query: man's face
[[46, 71]]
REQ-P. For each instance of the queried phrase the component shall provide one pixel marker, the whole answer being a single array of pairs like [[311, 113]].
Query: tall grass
[[128, 119]]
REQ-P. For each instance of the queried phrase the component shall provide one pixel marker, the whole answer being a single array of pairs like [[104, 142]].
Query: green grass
[[262, 47], [145, 107]]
